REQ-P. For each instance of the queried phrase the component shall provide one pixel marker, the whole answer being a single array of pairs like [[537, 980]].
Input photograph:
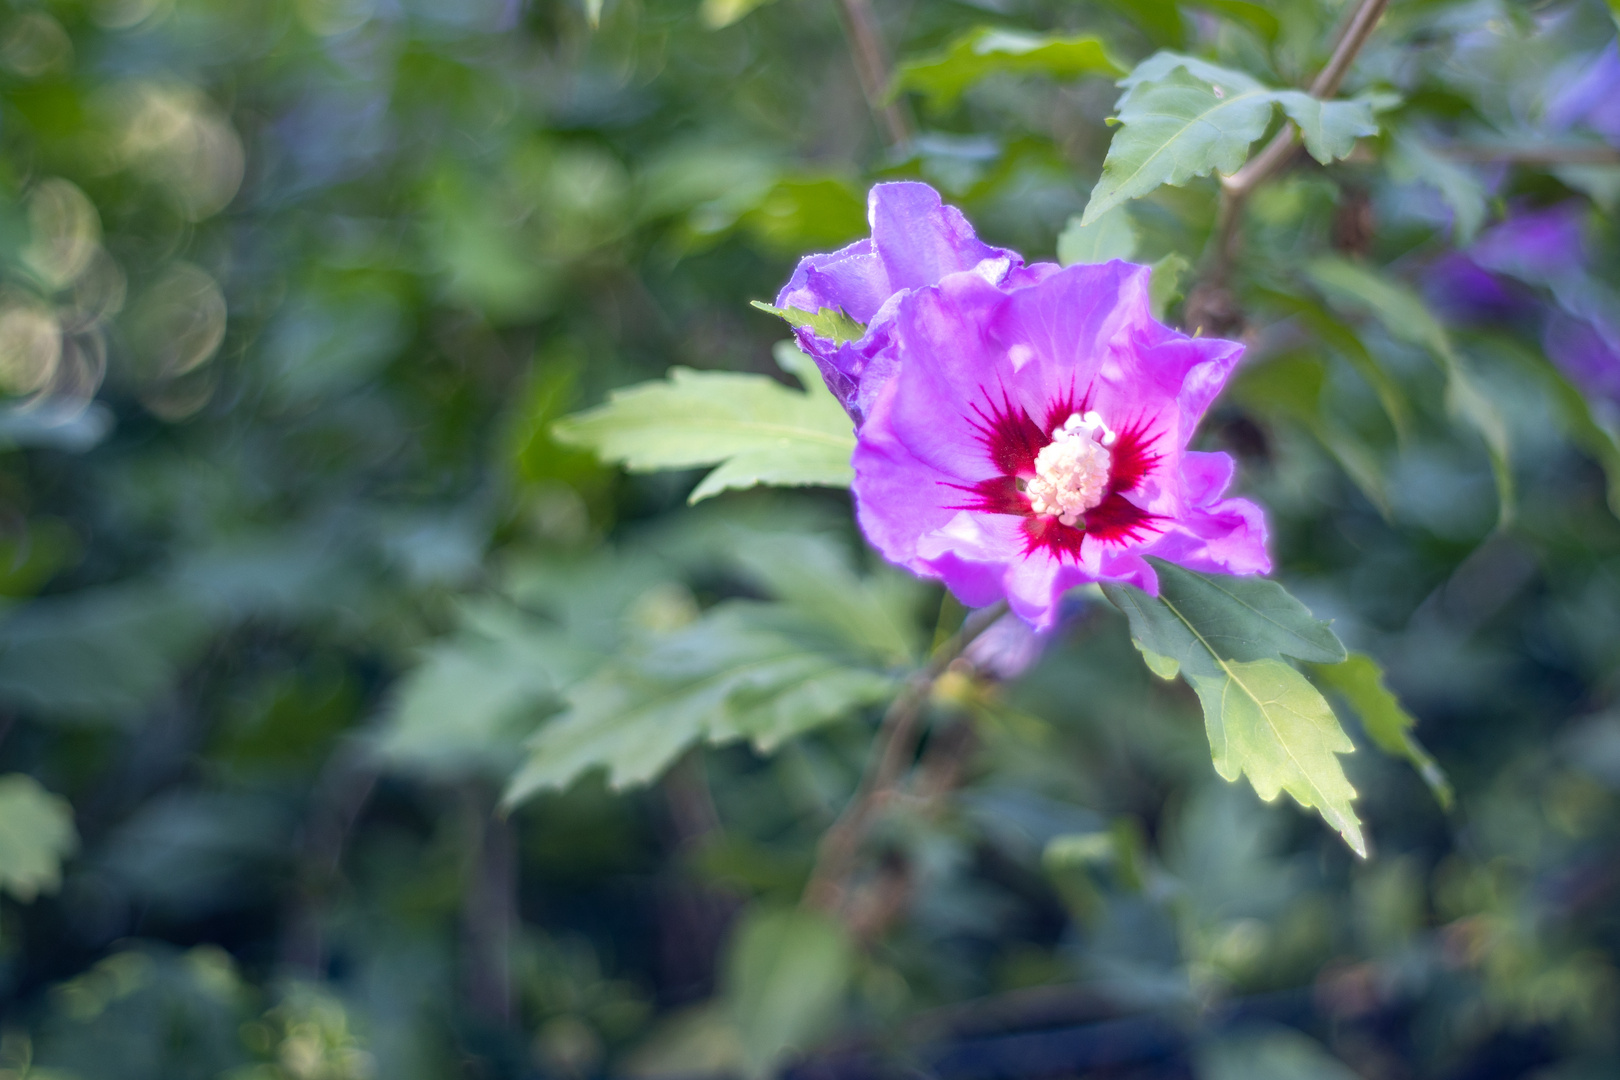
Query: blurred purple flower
[[916, 241], [1007, 648], [1033, 438], [1592, 98], [1588, 351], [1535, 247]]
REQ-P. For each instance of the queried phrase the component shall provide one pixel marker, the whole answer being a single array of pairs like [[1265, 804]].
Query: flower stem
[[874, 69], [1236, 189], [892, 751]]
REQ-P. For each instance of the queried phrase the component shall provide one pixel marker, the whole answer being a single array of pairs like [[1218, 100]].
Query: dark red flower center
[[1012, 442]]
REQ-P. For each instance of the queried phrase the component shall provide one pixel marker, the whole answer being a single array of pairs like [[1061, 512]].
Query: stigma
[[1072, 471]]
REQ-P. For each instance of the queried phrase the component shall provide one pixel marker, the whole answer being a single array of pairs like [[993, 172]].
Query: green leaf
[[829, 323], [1199, 618], [593, 12], [1182, 117], [875, 614], [467, 708], [744, 671], [1111, 236], [1270, 1052], [1174, 129], [757, 430], [986, 50], [1266, 722], [36, 834], [721, 13], [1227, 636], [1165, 287], [1331, 128], [1360, 681], [1254, 16], [1406, 318], [785, 973], [1581, 424]]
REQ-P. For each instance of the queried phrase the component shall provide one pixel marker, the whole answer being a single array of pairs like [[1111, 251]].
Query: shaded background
[[292, 291]]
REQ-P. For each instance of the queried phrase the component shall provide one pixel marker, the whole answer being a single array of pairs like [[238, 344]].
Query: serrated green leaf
[[1174, 129], [1164, 288], [1162, 63], [786, 970], [829, 323], [1111, 236], [1227, 636], [986, 50], [1360, 681], [1198, 618], [36, 834], [1406, 318], [1266, 722], [744, 671], [756, 429], [469, 705], [1330, 128], [811, 574]]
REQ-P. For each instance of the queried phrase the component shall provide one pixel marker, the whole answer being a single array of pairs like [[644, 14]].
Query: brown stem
[[1532, 155], [893, 750], [873, 68], [1235, 189]]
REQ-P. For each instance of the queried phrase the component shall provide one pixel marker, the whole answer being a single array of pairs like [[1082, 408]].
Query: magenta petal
[[983, 376]]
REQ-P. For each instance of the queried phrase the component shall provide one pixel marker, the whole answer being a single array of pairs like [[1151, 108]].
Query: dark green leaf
[[1360, 681]]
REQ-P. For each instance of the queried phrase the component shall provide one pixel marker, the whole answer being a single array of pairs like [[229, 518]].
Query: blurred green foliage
[[297, 577]]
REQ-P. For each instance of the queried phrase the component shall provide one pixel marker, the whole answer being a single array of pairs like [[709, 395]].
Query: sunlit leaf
[[1266, 722], [757, 430], [987, 50], [36, 834], [1111, 236], [785, 972], [1227, 637], [829, 323], [1360, 681]]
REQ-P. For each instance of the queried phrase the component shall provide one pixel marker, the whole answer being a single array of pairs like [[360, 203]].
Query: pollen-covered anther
[[1072, 471]]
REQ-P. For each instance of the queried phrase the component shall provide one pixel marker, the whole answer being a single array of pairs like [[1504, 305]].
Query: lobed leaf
[[1175, 129], [1330, 128], [744, 671], [36, 834], [1267, 722], [986, 50], [1227, 637], [757, 430], [1360, 681]]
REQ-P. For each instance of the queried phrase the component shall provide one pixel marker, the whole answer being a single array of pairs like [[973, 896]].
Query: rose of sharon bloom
[[1033, 439], [916, 240]]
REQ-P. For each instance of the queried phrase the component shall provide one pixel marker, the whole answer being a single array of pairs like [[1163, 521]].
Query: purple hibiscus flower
[[1032, 437], [916, 241]]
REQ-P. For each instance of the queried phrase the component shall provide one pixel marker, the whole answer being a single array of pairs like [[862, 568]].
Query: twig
[[873, 68], [893, 750], [1235, 189], [1531, 155]]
